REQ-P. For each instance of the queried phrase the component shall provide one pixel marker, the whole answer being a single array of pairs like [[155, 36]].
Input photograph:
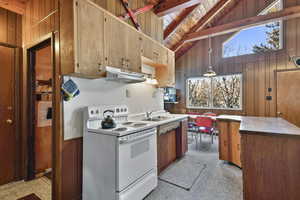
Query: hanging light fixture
[[210, 72]]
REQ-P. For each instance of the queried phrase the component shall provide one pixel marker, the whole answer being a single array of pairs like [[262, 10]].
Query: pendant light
[[210, 72]]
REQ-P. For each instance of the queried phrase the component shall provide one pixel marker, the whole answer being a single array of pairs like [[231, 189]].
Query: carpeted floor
[[40, 187], [218, 181]]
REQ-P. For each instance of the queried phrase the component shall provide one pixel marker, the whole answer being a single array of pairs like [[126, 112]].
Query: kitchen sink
[[156, 119]]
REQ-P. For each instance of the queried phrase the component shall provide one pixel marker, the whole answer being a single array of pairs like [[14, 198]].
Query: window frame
[[263, 12], [211, 107]]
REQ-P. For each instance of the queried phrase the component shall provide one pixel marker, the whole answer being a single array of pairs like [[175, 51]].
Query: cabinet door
[[166, 149], [115, 40], [223, 127], [90, 39], [182, 139], [162, 152], [172, 154], [171, 68], [184, 130], [134, 46], [160, 54], [147, 47], [235, 143]]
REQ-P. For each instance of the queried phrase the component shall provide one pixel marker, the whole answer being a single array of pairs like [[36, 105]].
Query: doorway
[[9, 137], [40, 85], [288, 95]]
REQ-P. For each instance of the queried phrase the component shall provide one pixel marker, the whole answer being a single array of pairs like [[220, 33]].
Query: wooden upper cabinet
[[165, 74], [115, 34], [102, 39], [147, 47], [89, 39], [171, 68], [134, 47], [159, 54]]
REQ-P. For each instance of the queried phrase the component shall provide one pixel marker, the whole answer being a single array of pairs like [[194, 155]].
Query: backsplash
[[139, 97]]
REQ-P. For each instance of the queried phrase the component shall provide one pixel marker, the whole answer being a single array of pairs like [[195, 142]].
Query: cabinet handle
[[238, 147], [225, 143], [123, 62], [9, 121]]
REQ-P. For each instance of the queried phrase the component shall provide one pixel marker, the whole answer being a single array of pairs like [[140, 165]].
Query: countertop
[[263, 125], [171, 118]]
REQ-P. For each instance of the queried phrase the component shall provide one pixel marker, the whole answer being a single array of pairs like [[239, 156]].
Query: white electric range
[[118, 163]]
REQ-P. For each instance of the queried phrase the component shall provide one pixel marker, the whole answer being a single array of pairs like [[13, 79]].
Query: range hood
[[117, 74]]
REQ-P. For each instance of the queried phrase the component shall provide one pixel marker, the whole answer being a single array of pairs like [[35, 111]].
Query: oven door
[[137, 155]]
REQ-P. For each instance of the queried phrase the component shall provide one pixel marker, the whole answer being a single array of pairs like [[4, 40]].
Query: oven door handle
[[126, 141]]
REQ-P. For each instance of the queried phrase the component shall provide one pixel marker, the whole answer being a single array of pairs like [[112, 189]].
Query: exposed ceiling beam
[[205, 20], [137, 11], [17, 6], [177, 21], [169, 6], [287, 13]]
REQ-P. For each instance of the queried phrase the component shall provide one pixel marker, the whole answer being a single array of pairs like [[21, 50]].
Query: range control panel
[[97, 111]]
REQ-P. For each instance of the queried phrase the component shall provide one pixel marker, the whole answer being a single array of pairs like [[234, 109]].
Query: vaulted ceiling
[[182, 17]]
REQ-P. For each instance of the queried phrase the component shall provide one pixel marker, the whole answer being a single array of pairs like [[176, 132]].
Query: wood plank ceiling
[[17, 6], [195, 16]]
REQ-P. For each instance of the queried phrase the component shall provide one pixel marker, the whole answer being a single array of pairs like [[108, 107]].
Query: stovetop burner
[[121, 129], [138, 125]]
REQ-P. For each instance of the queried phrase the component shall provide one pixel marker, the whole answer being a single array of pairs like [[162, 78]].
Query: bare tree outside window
[[199, 92], [227, 92], [221, 92]]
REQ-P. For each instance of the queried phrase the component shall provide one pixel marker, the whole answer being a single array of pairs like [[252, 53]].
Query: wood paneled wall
[[258, 70], [10, 28], [41, 18]]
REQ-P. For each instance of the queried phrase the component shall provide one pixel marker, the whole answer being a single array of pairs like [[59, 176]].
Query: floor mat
[[41, 187], [183, 173], [30, 197]]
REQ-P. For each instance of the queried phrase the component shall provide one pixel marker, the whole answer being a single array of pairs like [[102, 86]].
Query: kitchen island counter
[[263, 125], [267, 150]]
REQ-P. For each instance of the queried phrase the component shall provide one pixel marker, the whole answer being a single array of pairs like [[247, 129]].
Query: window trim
[[281, 44], [211, 107]]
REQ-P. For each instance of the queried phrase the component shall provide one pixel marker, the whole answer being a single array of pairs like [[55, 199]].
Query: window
[[257, 39], [220, 92]]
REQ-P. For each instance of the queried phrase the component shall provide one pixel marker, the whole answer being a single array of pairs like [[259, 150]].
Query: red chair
[[205, 126]]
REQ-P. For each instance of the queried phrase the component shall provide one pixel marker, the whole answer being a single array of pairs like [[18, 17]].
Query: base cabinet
[[229, 141], [166, 149], [171, 145], [270, 166], [182, 139]]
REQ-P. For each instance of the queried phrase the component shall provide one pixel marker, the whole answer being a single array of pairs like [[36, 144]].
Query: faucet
[[148, 114]]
